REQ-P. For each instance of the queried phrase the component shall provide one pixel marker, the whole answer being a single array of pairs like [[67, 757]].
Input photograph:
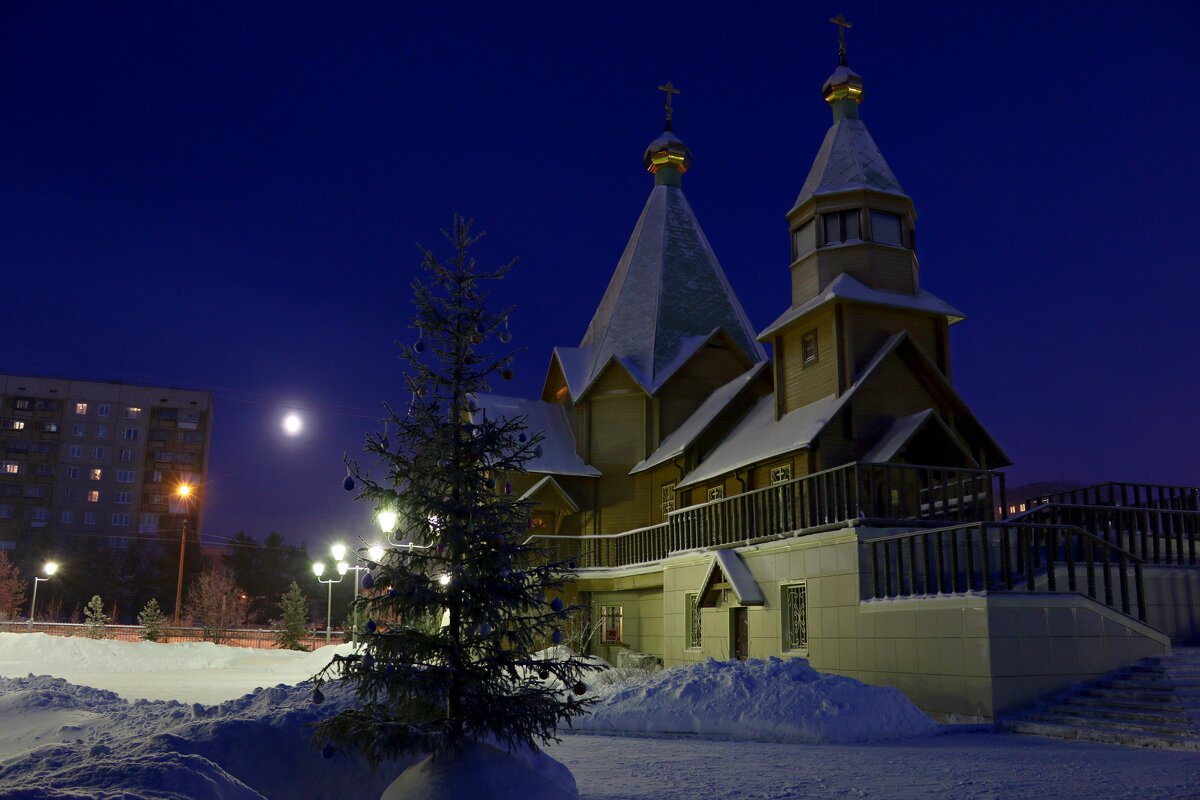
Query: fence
[[259, 639]]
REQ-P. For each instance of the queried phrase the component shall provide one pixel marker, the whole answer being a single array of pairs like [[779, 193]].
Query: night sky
[[227, 197]]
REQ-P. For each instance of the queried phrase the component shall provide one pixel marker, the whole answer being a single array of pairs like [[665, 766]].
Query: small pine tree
[[430, 687], [12, 588], [151, 618], [294, 607], [95, 619]]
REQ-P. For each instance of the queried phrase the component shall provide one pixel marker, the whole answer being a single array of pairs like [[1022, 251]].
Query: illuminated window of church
[[886, 228], [667, 499], [842, 226], [610, 624], [781, 474], [716, 493], [808, 348]]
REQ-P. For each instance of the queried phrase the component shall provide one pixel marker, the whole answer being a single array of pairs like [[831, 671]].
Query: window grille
[[795, 616], [667, 499], [692, 620], [781, 473], [716, 493], [610, 624]]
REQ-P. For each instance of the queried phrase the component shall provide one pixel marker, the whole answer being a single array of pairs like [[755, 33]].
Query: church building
[[837, 500]]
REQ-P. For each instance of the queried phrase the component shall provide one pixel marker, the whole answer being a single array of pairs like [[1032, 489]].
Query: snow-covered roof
[[548, 484], [682, 437], [846, 287], [550, 419], [739, 577], [848, 159], [901, 432], [667, 296]]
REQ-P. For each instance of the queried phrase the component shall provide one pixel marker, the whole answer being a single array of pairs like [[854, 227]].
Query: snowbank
[[772, 700]]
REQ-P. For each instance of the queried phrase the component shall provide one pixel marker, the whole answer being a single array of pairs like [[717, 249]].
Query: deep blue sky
[[226, 196]]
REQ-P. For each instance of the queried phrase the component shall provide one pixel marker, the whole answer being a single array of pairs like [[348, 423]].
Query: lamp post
[[183, 493], [49, 569], [319, 570]]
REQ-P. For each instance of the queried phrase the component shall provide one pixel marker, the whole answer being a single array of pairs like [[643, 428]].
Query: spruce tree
[[294, 607], [94, 619], [151, 618], [462, 552]]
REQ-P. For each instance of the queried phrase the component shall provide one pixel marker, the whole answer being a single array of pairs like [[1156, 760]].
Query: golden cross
[[842, 24], [670, 89]]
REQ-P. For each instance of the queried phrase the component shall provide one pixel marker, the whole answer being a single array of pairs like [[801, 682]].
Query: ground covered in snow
[[200, 721]]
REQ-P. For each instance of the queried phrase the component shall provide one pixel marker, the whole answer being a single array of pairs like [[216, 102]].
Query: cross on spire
[[840, 21], [670, 89]]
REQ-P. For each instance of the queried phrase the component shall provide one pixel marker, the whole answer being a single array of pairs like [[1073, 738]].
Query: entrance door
[[741, 634]]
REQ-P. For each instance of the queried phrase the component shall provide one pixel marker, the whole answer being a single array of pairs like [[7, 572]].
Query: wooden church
[[838, 501]]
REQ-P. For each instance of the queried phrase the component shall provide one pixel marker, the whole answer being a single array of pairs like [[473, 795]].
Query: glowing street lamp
[[50, 568], [319, 570], [387, 519]]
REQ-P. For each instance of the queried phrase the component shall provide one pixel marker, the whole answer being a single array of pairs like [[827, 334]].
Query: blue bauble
[[368, 581], [505, 336], [556, 604], [537, 451], [317, 697], [570, 565], [557, 636], [371, 626], [522, 438], [507, 487], [348, 483], [368, 661], [419, 346], [327, 751], [491, 483], [485, 629], [393, 594], [472, 405]]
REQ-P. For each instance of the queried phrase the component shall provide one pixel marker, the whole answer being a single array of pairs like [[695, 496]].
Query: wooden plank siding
[[617, 421], [712, 367], [802, 384], [870, 326]]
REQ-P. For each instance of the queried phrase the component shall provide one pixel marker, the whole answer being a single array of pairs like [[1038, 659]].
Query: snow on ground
[[228, 739]]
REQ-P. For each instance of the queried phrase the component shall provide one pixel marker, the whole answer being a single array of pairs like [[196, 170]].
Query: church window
[[886, 228], [804, 239], [610, 624], [842, 226], [716, 493], [781, 474], [667, 499], [694, 631], [795, 616], [808, 348]]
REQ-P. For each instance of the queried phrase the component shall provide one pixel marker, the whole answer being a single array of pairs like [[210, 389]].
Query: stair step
[[1116, 725], [1148, 715], [1120, 702], [1112, 736]]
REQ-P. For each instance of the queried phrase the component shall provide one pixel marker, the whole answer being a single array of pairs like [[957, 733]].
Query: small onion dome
[[843, 83], [668, 150]]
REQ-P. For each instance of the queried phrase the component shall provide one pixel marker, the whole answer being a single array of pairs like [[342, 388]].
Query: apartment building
[[99, 459]]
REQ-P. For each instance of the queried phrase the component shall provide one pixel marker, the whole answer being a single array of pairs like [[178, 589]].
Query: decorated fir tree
[[94, 619], [459, 552], [151, 618], [294, 607]]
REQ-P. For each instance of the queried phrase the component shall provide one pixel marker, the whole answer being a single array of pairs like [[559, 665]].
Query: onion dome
[[843, 83], [667, 157]]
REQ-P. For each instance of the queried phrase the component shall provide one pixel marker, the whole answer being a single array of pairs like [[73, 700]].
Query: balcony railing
[[1004, 557], [1114, 493], [891, 493], [1160, 536]]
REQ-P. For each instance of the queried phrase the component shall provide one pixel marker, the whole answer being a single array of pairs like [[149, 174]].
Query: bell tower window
[[842, 226], [804, 239], [886, 228]]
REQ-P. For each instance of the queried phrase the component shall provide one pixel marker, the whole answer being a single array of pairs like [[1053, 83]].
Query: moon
[[292, 424]]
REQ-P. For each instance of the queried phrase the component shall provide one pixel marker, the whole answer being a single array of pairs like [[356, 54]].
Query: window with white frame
[[795, 616], [809, 351], [887, 228], [716, 492], [610, 624], [124, 476], [133, 412], [95, 474], [11, 468], [80, 409], [38, 517], [78, 430], [126, 455], [130, 434], [156, 498], [98, 453], [667, 499], [101, 431], [841, 226], [68, 517], [89, 518], [120, 520], [93, 496], [102, 410], [148, 523], [693, 629], [69, 495], [73, 472], [74, 451], [122, 498], [21, 404], [156, 476], [781, 473]]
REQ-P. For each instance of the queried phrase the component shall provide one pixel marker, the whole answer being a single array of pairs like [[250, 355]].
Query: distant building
[[99, 459]]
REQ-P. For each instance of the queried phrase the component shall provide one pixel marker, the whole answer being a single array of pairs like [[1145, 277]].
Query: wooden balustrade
[[1115, 493], [1159, 536], [1004, 557]]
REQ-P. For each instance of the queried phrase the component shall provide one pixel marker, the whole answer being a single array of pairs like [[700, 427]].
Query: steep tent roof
[[667, 296], [848, 159], [558, 456]]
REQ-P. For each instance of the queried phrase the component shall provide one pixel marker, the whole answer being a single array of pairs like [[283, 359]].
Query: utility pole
[[179, 583]]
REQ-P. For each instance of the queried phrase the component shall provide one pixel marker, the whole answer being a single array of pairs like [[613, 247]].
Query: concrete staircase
[[1154, 703]]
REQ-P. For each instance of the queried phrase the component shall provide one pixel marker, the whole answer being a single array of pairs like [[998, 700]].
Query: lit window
[[80, 409], [102, 410], [74, 451], [886, 228], [781, 474], [122, 498], [21, 404], [93, 496], [11, 468], [610, 624], [716, 492], [124, 476], [691, 611], [841, 226], [130, 434], [14, 424], [95, 474], [808, 348], [89, 518], [795, 616], [133, 413], [667, 499]]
